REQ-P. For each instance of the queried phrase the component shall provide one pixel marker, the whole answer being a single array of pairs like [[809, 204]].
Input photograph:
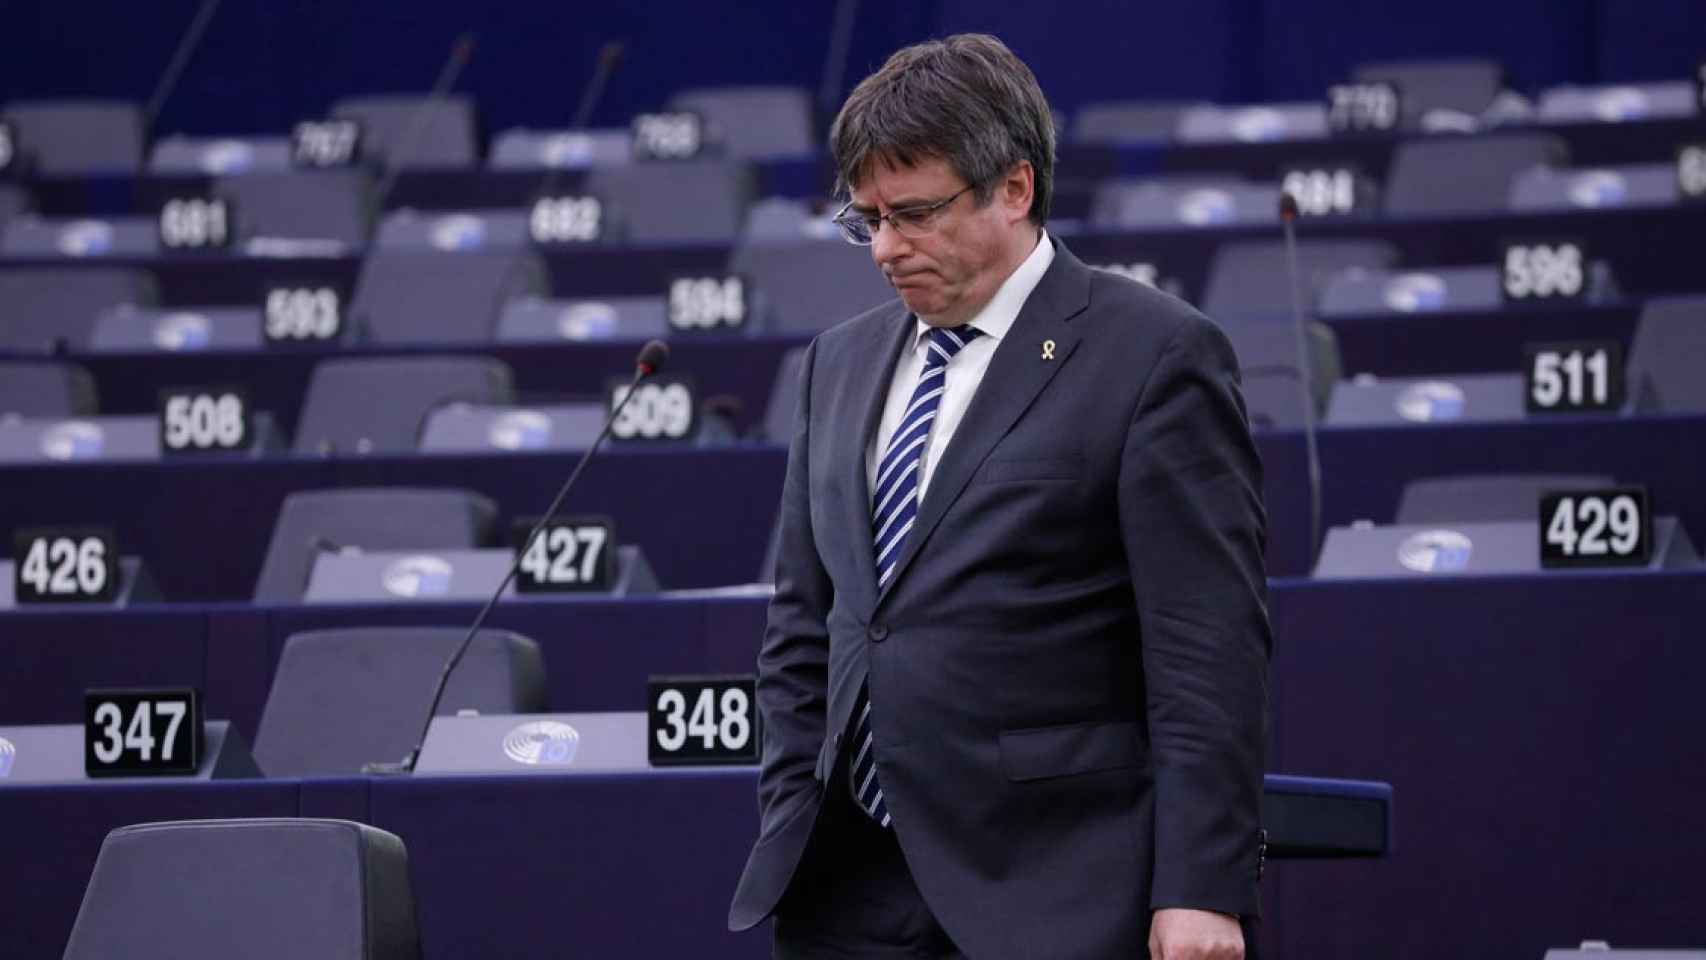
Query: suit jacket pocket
[[1038, 753], [1016, 471]]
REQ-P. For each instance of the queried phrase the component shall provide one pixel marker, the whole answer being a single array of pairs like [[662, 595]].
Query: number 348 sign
[[702, 720]]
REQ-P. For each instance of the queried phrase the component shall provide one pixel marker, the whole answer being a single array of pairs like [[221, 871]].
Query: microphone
[[609, 57], [175, 67], [460, 52], [1306, 385], [651, 359]]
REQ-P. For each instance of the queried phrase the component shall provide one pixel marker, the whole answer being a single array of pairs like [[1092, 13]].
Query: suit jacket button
[[878, 633], [838, 741]]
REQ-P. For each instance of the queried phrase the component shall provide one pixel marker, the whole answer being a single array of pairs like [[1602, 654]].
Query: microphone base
[[400, 768]]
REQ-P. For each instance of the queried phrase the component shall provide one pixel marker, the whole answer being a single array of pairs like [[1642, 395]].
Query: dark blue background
[[264, 65]]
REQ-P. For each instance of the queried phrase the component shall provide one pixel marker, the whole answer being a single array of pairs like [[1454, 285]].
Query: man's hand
[[1178, 934]]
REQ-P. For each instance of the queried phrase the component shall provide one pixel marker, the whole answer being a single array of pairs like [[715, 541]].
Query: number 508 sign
[[701, 720]]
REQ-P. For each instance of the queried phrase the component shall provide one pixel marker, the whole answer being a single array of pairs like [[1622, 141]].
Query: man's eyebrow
[[900, 204]]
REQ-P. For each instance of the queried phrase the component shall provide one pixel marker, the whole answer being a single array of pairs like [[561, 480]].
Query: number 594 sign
[[702, 720]]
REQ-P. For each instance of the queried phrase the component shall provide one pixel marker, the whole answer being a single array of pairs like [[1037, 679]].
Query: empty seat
[[434, 132], [1457, 176], [441, 298], [13, 201], [1618, 104], [756, 123], [266, 889], [379, 405], [1269, 365], [811, 285], [314, 521], [1252, 123], [1126, 121], [46, 390], [1628, 185], [785, 220], [1667, 356], [1484, 499], [1253, 278], [76, 137], [219, 156], [344, 698], [1463, 87], [1186, 200], [29, 235], [326, 205], [522, 149], [779, 413], [44, 306], [695, 201]]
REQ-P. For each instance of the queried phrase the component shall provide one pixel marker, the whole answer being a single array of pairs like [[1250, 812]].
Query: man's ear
[[1017, 189]]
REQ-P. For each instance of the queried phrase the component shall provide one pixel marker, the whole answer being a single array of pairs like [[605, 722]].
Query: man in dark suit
[[1014, 680]]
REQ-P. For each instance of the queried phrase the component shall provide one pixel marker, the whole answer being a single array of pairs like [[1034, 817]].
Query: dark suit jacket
[[1069, 667]]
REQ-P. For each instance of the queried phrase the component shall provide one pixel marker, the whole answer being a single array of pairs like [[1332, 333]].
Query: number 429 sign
[[702, 720]]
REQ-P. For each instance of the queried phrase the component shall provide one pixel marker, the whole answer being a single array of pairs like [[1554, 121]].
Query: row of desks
[[1541, 731], [703, 515], [593, 865]]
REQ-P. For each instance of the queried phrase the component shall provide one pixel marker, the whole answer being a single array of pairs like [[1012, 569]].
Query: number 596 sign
[[701, 720]]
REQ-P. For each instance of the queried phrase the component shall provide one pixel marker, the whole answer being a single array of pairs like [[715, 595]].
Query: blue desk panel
[[635, 865]]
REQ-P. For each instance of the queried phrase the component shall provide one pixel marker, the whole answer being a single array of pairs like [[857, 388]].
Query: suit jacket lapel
[[1016, 374], [869, 389]]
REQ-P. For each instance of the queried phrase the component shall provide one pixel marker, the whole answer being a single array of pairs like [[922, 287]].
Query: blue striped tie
[[895, 507]]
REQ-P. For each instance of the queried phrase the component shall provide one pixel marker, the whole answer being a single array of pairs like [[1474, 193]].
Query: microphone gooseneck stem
[[1306, 381]]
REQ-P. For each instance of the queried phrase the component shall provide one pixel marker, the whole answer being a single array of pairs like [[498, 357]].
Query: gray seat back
[[305, 205], [379, 405], [406, 296], [1253, 278], [753, 122], [1485, 498], [46, 390], [1667, 356], [40, 306], [71, 137], [1462, 86], [811, 285], [784, 405], [267, 889], [344, 698], [1267, 357], [1126, 121], [1453, 176], [693, 201], [435, 132]]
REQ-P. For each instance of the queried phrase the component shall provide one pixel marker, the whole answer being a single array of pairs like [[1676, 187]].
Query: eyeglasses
[[910, 222]]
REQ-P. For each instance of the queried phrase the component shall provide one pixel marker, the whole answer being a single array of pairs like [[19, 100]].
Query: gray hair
[[967, 100]]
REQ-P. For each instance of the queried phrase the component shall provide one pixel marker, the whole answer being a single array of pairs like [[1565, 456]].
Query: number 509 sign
[[701, 720]]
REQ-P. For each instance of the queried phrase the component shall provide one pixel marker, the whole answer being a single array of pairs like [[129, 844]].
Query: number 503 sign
[[701, 720]]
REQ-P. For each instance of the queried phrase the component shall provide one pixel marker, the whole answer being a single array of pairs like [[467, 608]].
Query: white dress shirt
[[964, 372]]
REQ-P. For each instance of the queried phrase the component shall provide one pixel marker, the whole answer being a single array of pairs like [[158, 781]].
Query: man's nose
[[887, 245]]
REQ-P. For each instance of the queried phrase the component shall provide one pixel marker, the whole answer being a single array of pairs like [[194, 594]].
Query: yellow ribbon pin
[[1048, 349]]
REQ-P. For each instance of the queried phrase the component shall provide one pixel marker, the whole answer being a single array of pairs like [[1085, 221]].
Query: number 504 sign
[[702, 720]]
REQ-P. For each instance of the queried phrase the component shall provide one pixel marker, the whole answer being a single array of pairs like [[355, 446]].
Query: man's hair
[[967, 100]]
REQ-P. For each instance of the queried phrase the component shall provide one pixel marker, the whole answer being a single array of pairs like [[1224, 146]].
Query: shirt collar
[[998, 315]]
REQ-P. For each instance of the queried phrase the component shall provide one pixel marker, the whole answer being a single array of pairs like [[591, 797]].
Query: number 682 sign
[[702, 720]]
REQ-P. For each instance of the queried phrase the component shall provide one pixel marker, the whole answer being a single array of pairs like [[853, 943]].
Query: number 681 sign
[[702, 720]]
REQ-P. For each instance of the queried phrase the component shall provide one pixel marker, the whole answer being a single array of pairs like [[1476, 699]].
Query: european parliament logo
[[183, 331], [1436, 551], [1206, 206], [1430, 401], [421, 575], [86, 238], [1599, 188], [458, 231], [1415, 293], [520, 430], [8, 754], [73, 440], [227, 156], [593, 319], [542, 743]]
